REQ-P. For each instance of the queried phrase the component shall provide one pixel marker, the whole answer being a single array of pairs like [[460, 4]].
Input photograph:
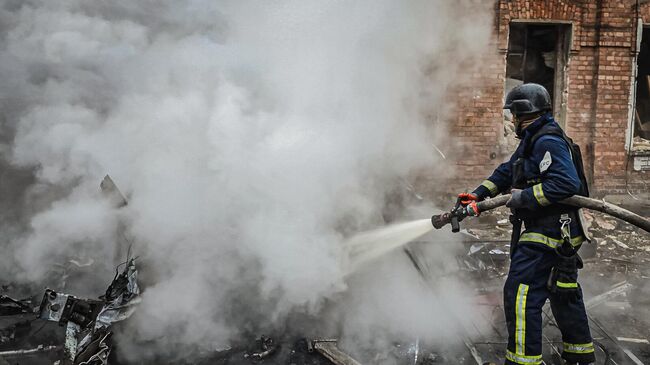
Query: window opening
[[641, 136], [538, 53]]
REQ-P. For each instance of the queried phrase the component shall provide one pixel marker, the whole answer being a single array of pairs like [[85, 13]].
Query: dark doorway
[[538, 53]]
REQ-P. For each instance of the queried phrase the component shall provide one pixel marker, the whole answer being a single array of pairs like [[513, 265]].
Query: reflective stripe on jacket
[[550, 176]]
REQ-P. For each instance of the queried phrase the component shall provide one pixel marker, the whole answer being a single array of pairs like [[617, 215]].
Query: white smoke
[[248, 136]]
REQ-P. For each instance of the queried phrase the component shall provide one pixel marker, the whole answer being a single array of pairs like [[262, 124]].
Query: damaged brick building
[[594, 57]]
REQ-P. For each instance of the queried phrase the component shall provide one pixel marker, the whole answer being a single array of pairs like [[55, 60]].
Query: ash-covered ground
[[614, 280]]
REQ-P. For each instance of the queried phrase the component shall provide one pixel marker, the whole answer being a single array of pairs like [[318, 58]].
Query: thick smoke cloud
[[249, 137]]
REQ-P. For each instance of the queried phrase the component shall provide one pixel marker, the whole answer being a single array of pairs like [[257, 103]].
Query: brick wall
[[599, 82]]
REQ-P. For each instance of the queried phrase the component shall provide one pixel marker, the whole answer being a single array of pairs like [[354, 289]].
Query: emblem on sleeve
[[545, 163]]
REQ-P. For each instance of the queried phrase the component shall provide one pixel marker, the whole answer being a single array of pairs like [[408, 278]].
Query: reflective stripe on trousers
[[525, 292], [579, 348], [566, 285], [523, 359], [520, 320]]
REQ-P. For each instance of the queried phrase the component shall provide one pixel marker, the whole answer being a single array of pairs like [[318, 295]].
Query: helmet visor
[[520, 107]]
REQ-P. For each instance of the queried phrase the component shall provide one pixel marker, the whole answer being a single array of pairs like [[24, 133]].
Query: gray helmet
[[528, 99]]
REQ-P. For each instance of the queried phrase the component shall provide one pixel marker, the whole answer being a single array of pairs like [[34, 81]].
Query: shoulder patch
[[545, 163]]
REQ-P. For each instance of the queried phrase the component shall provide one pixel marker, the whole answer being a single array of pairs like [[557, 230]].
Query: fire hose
[[458, 213]]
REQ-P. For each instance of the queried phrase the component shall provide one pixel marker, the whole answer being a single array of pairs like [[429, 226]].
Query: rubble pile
[[59, 328]]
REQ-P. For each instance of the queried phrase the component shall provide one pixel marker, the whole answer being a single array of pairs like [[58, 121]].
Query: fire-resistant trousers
[[524, 295]]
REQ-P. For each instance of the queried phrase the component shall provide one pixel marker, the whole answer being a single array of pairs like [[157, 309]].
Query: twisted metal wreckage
[[85, 326], [87, 322]]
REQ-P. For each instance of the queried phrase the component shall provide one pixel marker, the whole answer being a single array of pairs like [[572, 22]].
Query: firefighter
[[545, 168]]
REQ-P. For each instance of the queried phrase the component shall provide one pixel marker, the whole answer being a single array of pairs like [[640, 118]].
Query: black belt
[[516, 233]]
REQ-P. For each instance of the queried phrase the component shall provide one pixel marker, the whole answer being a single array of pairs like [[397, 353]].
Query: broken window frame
[[630, 148], [562, 60]]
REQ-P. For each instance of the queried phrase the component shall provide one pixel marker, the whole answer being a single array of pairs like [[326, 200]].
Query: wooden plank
[[333, 353]]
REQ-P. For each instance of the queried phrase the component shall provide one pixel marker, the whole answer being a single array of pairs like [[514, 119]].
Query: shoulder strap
[[544, 131]]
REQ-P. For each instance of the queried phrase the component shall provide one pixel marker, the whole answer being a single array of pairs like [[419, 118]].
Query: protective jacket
[[544, 169]]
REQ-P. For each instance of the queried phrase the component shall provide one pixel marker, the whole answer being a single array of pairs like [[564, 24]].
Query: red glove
[[467, 198], [472, 209]]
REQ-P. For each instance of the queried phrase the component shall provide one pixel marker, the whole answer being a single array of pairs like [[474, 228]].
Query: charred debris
[[56, 327], [60, 328]]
